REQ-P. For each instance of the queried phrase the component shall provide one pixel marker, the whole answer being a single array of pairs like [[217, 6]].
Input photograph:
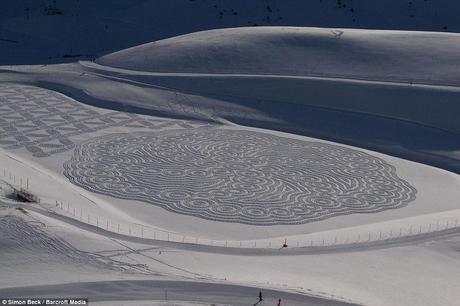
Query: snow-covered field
[[176, 170]]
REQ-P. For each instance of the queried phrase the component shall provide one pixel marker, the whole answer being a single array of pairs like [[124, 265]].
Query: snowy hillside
[[430, 58], [403, 108], [49, 31], [211, 152], [378, 81]]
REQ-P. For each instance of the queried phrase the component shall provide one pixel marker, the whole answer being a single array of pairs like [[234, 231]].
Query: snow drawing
[[238, 175]]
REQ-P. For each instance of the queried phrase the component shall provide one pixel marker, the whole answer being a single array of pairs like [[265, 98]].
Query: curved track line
[[338, 77], [103, 73], [352, 247]]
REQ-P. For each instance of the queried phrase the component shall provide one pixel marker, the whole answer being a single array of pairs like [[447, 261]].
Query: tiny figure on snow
[[260, 296], [285, 243], [279, 302]]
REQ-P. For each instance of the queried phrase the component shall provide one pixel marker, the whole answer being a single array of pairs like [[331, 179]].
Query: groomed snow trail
[[174, 290]]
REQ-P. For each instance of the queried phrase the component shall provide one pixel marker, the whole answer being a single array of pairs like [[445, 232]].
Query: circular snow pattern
[[238, 176]]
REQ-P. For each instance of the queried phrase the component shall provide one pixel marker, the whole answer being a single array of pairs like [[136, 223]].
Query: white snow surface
[[428, 271], [85, 28], [420, 57], [378, 84]]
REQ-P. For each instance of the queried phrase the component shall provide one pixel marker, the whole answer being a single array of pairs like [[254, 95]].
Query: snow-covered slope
[[354, 86], [373, 55], [303, 82], [197, 157], [48, 31]]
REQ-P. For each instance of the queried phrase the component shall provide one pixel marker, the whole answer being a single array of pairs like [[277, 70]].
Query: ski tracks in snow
[[20, 236]]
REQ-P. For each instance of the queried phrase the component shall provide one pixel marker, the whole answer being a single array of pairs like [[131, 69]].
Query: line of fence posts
[[12, 179], [144, 232]]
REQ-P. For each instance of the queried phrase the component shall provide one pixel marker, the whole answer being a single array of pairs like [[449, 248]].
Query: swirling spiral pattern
[[238, 176]]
